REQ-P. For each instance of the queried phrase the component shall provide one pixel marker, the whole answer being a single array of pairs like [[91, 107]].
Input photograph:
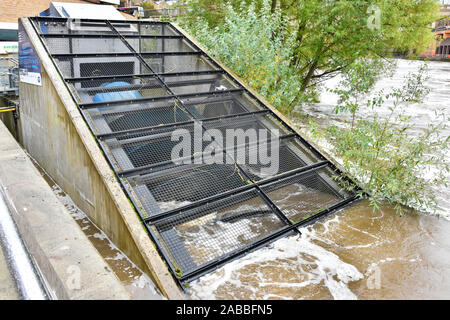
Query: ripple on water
[[353, 254]]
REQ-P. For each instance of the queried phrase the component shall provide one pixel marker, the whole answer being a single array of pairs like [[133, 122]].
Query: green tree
[[255, 44], [148, 5], [285, 49], [390, 162], [331, 35], [214, 11]]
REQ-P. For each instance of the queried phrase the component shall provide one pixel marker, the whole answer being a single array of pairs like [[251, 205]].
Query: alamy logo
[[74, 24], [374, 20], [257, 149], [374, 278]]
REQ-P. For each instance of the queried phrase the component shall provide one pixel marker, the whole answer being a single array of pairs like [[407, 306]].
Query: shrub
[[258, 48]]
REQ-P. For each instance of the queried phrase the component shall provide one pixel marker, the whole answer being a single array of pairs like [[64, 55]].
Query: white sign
[[29, 64], [8, 47]]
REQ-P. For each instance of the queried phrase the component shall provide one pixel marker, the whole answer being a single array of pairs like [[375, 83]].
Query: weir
[[134, 83]]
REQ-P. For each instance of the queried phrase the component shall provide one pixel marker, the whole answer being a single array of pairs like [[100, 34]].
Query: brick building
[[12, 10], [441, 29]]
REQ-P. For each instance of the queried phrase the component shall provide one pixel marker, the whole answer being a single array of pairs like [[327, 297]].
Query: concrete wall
[[54, 133], [52, 237]]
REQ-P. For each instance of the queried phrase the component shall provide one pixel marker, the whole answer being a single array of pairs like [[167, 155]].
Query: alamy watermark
[[374, 20], [73, 281], [374, 279], [257, 148]]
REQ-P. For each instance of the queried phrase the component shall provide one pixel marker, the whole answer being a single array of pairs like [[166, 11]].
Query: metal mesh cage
[[86, 45], [150, 45], [253, 159], [206, 233], [189, 144], [82, 67], [201, 83], [178, 186], [125, 88]]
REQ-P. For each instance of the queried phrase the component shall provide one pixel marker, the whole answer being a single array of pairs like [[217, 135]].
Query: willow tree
[[330, 35]]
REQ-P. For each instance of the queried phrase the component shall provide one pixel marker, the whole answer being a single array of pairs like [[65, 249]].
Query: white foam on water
[[74, 211], [325, 268], [100, 236], [118, 256], [214, 238], [142, 281]]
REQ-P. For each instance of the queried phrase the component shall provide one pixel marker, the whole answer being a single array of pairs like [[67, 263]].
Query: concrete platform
[[8, 290], [71, 266], [53, 131]]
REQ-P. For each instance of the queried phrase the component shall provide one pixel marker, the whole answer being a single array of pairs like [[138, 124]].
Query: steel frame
[[289, 228], [145, 75], [160, 98]]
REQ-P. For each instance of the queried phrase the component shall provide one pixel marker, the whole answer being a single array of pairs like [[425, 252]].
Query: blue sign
[[29, 64]]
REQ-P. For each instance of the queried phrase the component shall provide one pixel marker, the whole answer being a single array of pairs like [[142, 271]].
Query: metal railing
[[9, 67]]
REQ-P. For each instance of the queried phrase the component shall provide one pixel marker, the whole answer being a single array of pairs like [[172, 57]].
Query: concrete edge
[[58, 247], [156, 265]]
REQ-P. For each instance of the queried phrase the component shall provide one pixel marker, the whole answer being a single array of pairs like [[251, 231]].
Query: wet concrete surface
[[137, 283], [8, 290]]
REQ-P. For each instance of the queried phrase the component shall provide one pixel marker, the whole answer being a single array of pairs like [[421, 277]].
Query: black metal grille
[[138, 86], [209, 232]]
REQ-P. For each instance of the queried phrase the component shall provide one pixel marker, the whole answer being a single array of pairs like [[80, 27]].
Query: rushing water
[[421, 113], [356, 253]]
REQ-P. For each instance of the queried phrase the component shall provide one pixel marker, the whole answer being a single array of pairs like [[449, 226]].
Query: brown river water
[[355, 253]]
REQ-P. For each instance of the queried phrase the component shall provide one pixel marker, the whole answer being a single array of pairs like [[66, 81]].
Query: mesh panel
[[305, 194], [152, 45], [79, 45], [197, 84], [266, 160], [216, 106], [124, 89], [179, 63], [183, 189], [179, 186], [136, 116], [244, 128], [209, 232], [76, 27], [158, 146], [153, 29], [100, 66]]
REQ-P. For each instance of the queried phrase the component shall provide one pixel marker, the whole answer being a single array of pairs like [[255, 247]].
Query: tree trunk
[[309, 75], [298, 41], [273, 6]]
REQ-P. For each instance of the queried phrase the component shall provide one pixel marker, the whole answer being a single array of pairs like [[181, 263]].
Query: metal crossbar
[[145, 75], [107, 35], [152, 99], [123, 54], [133, 111], [122, 133]]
